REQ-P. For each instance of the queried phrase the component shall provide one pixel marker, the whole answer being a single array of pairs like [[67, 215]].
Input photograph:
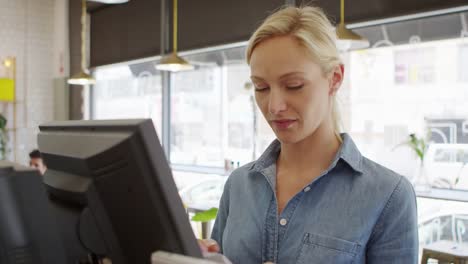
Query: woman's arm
[[395, 235], [223, 212]]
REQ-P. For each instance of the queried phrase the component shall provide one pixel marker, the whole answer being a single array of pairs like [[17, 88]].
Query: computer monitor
[[117, 171], [27, 229]]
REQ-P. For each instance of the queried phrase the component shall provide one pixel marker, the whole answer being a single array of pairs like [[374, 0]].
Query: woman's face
[[291, 90]]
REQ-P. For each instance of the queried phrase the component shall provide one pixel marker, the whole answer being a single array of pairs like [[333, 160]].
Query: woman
[[311, 197]]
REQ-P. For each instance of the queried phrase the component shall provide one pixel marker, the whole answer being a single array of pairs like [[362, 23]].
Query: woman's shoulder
[[242, 171], [240, 175], [383, 179]]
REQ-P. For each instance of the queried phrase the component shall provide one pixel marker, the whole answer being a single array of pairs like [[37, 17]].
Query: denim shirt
[[356, 211]]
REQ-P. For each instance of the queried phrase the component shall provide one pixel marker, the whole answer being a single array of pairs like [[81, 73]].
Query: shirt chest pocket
[[324, 249]]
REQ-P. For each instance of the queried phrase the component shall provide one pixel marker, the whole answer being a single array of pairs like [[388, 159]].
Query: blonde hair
[[311, 27]]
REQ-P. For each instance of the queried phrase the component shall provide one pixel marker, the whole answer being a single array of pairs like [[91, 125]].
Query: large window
[[128, 91], [415, 88], [196, 117]]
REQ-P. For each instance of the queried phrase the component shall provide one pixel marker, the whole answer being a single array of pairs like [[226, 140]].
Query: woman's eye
[[261, 89], [295, 87]]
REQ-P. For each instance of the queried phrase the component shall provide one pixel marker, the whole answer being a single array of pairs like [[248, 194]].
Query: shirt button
[[283, 222], [306, 189]]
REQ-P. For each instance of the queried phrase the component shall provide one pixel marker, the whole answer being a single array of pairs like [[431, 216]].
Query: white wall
[[27, 33]]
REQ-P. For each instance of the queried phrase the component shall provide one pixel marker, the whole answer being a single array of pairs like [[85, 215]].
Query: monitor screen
[[27, 228], [118, 173]]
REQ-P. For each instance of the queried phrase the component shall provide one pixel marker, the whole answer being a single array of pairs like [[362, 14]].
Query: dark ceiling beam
[[125, 32], [132, 30]]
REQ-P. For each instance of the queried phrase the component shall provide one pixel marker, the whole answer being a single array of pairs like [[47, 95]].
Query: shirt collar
[[348, 152]]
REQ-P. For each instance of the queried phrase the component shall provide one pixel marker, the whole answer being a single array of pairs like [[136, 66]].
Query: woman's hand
[[208, 245]]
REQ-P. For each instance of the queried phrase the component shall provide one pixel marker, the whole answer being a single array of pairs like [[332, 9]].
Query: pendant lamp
[[173, 62], [83, 77], [347, 39]]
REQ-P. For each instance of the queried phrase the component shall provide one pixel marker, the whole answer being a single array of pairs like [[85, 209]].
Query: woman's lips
[[283, 123]]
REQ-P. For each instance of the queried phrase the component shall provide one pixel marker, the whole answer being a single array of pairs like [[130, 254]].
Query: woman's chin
[[287, 138]]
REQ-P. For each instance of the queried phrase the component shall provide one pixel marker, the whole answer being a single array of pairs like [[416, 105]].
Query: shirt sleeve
[[221, 218], [394, 239]]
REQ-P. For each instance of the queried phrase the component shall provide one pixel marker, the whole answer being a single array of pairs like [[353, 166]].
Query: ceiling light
[[347, 39], [173, 62], [82, 78]]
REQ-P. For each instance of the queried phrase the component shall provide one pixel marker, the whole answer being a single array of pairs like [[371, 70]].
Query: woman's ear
[[336, 79]]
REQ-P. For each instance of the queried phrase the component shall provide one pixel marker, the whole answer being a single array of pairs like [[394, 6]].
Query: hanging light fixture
[[83, 77], [347, 39], [173, 62]]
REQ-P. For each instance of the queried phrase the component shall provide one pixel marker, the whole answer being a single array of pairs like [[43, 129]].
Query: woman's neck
[[314, 153]]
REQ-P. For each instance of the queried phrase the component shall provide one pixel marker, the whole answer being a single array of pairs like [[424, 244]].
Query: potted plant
[[419, 146], [205, 217]]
